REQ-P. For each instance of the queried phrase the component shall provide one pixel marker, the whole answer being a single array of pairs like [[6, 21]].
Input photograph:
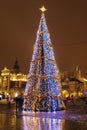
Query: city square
[[49, 96], [75, 117]]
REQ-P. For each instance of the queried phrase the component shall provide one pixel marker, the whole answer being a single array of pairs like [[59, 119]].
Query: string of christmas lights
[[43, 91]]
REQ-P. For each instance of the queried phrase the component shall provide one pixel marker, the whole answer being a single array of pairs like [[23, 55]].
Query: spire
[[16, 67]]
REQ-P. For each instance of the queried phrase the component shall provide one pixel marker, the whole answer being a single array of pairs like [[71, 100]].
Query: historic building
[[73, 83], [12, 82]]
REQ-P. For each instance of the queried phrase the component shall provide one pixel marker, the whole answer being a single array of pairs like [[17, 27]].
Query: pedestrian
[[72, 99]]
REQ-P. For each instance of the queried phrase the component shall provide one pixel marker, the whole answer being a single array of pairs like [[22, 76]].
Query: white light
[[16, 94], [0, 96], [7, 94]]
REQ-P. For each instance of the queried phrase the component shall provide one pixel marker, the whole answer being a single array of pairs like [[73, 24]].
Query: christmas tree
[[43, 91]]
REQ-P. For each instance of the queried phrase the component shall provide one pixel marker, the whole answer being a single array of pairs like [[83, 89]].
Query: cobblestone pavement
[[73, 118]]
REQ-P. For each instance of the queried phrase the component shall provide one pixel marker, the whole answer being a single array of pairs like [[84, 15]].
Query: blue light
[[42, 88]]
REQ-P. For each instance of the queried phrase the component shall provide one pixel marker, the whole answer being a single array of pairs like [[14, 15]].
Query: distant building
[[12, 82], [73, 83]]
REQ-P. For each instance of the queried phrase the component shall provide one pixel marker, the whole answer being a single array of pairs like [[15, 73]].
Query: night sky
[[67, 24]]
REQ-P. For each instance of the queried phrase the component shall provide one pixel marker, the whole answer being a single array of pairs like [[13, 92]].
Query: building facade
[[13, 82], [73, 83]]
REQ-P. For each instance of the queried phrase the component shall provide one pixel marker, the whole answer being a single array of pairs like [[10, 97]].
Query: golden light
[[80, 93], [74, 94], [65, 93], [85, 79], [7, 94], [16, 94], [43, 9], [5, 71]]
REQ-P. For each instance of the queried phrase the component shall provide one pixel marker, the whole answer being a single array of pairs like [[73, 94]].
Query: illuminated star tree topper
[[43, 9]]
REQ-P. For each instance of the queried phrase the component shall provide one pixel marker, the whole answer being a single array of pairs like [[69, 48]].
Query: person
[[72, 99], [65, 101], [9, 101], [19, 102]]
